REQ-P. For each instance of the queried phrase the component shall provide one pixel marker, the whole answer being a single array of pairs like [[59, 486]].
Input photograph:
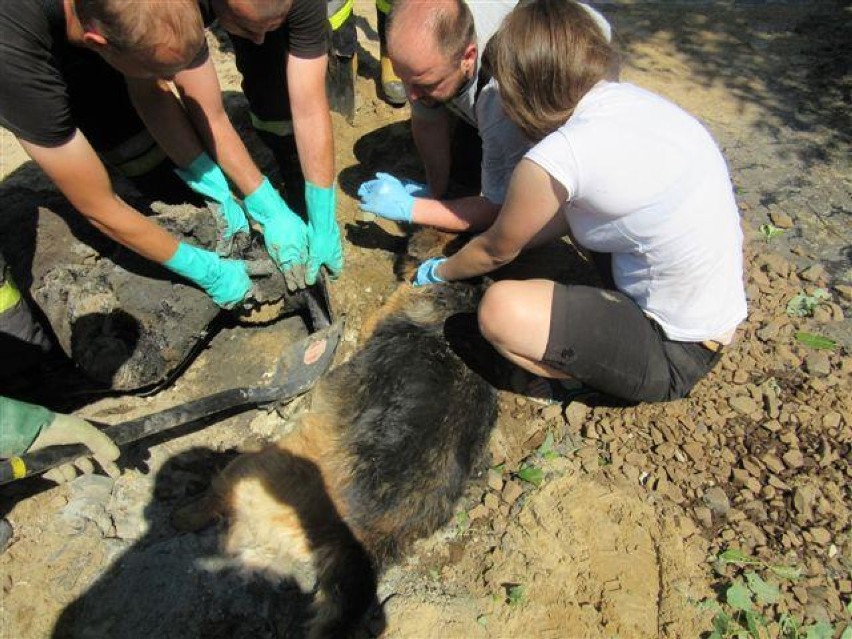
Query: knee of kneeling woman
[[494, 313]]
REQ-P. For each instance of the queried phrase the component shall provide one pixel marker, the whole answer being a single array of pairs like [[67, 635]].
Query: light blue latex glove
[[226, 281], [284, 232], [324, 246], [204, 176], [427, 272], [390, 198]]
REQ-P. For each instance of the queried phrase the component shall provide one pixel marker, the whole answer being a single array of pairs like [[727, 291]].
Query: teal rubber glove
[[204, 176], [284, 232], [226, 281], [28, 428], [324, 245], [427, 273], [390, 198]]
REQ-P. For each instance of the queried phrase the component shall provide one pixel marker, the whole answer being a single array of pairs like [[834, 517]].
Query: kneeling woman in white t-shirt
[[633, 176]]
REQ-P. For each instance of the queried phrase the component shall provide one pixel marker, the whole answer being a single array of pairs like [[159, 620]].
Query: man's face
[[429, 76], [249, 19]]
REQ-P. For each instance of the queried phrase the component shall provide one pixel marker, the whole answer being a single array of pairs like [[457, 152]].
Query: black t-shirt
[[50, 88], [306, 26], [34, 99]]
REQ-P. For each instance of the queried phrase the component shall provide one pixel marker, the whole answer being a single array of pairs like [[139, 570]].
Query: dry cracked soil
[[594, 520]]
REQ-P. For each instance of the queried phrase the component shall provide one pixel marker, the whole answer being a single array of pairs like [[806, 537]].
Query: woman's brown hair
[[546, 56]]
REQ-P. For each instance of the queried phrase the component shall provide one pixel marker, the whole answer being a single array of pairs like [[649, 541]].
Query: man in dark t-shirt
[[63, 96], [281, 50]]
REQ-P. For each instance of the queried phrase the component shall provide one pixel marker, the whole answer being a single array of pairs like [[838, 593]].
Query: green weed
[[745, 601], [803, 305], [814, 341], [770, 231]]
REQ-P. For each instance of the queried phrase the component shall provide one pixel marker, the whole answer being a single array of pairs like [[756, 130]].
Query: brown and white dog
[[378, 462]]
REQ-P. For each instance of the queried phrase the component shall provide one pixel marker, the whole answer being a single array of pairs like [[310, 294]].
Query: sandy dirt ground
[[619, 533]]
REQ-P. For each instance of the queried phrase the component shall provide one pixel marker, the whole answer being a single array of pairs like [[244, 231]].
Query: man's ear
[[469, 58], [94, 40]]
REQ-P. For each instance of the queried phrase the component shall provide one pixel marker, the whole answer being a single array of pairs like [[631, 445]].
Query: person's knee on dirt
[[515, 317], [143, 42], [281, 49], [655, 193], [437, 49]]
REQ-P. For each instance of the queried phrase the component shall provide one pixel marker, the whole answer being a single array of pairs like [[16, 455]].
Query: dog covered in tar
[[378, 462]]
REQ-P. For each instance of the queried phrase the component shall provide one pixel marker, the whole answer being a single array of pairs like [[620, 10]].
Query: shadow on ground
[[180, 585]]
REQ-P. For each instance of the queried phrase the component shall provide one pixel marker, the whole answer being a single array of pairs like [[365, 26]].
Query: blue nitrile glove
[[390, 198], [324, 245], [204, 176], [226, 281], [284, 232], [427, 272]]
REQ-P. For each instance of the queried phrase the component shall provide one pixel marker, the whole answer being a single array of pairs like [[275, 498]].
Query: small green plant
[[546, 450], [739, 612], [770, 231], [482, 620], [817, 342], [515, 594], [803, 305], [531, 474], [462, 522]]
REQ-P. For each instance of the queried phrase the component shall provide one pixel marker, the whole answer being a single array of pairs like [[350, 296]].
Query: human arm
[[529, 217], [201, 95], [312, 129], [408, 201], [431, 131], [78, 172], [311, 118], [284, 233], [170, 125]]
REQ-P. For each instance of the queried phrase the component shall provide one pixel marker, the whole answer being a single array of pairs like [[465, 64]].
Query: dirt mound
[[126, 322], [593, 557]]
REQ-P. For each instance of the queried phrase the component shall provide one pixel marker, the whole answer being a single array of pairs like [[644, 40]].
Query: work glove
[[284, 233], [324, 245], [204, 176], [28, 428], [226, 281], [427, 272], [390, 198]]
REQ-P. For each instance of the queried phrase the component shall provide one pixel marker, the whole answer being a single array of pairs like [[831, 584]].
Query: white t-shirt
[[647, 183], [503, 144]]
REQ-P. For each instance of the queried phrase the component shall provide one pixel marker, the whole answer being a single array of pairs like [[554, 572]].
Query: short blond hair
[[546, 56], [148, 29]]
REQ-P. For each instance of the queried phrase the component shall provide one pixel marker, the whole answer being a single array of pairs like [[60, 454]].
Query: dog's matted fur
[[378, 462]]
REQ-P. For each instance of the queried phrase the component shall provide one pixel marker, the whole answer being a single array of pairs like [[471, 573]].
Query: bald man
[[436, 48]]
